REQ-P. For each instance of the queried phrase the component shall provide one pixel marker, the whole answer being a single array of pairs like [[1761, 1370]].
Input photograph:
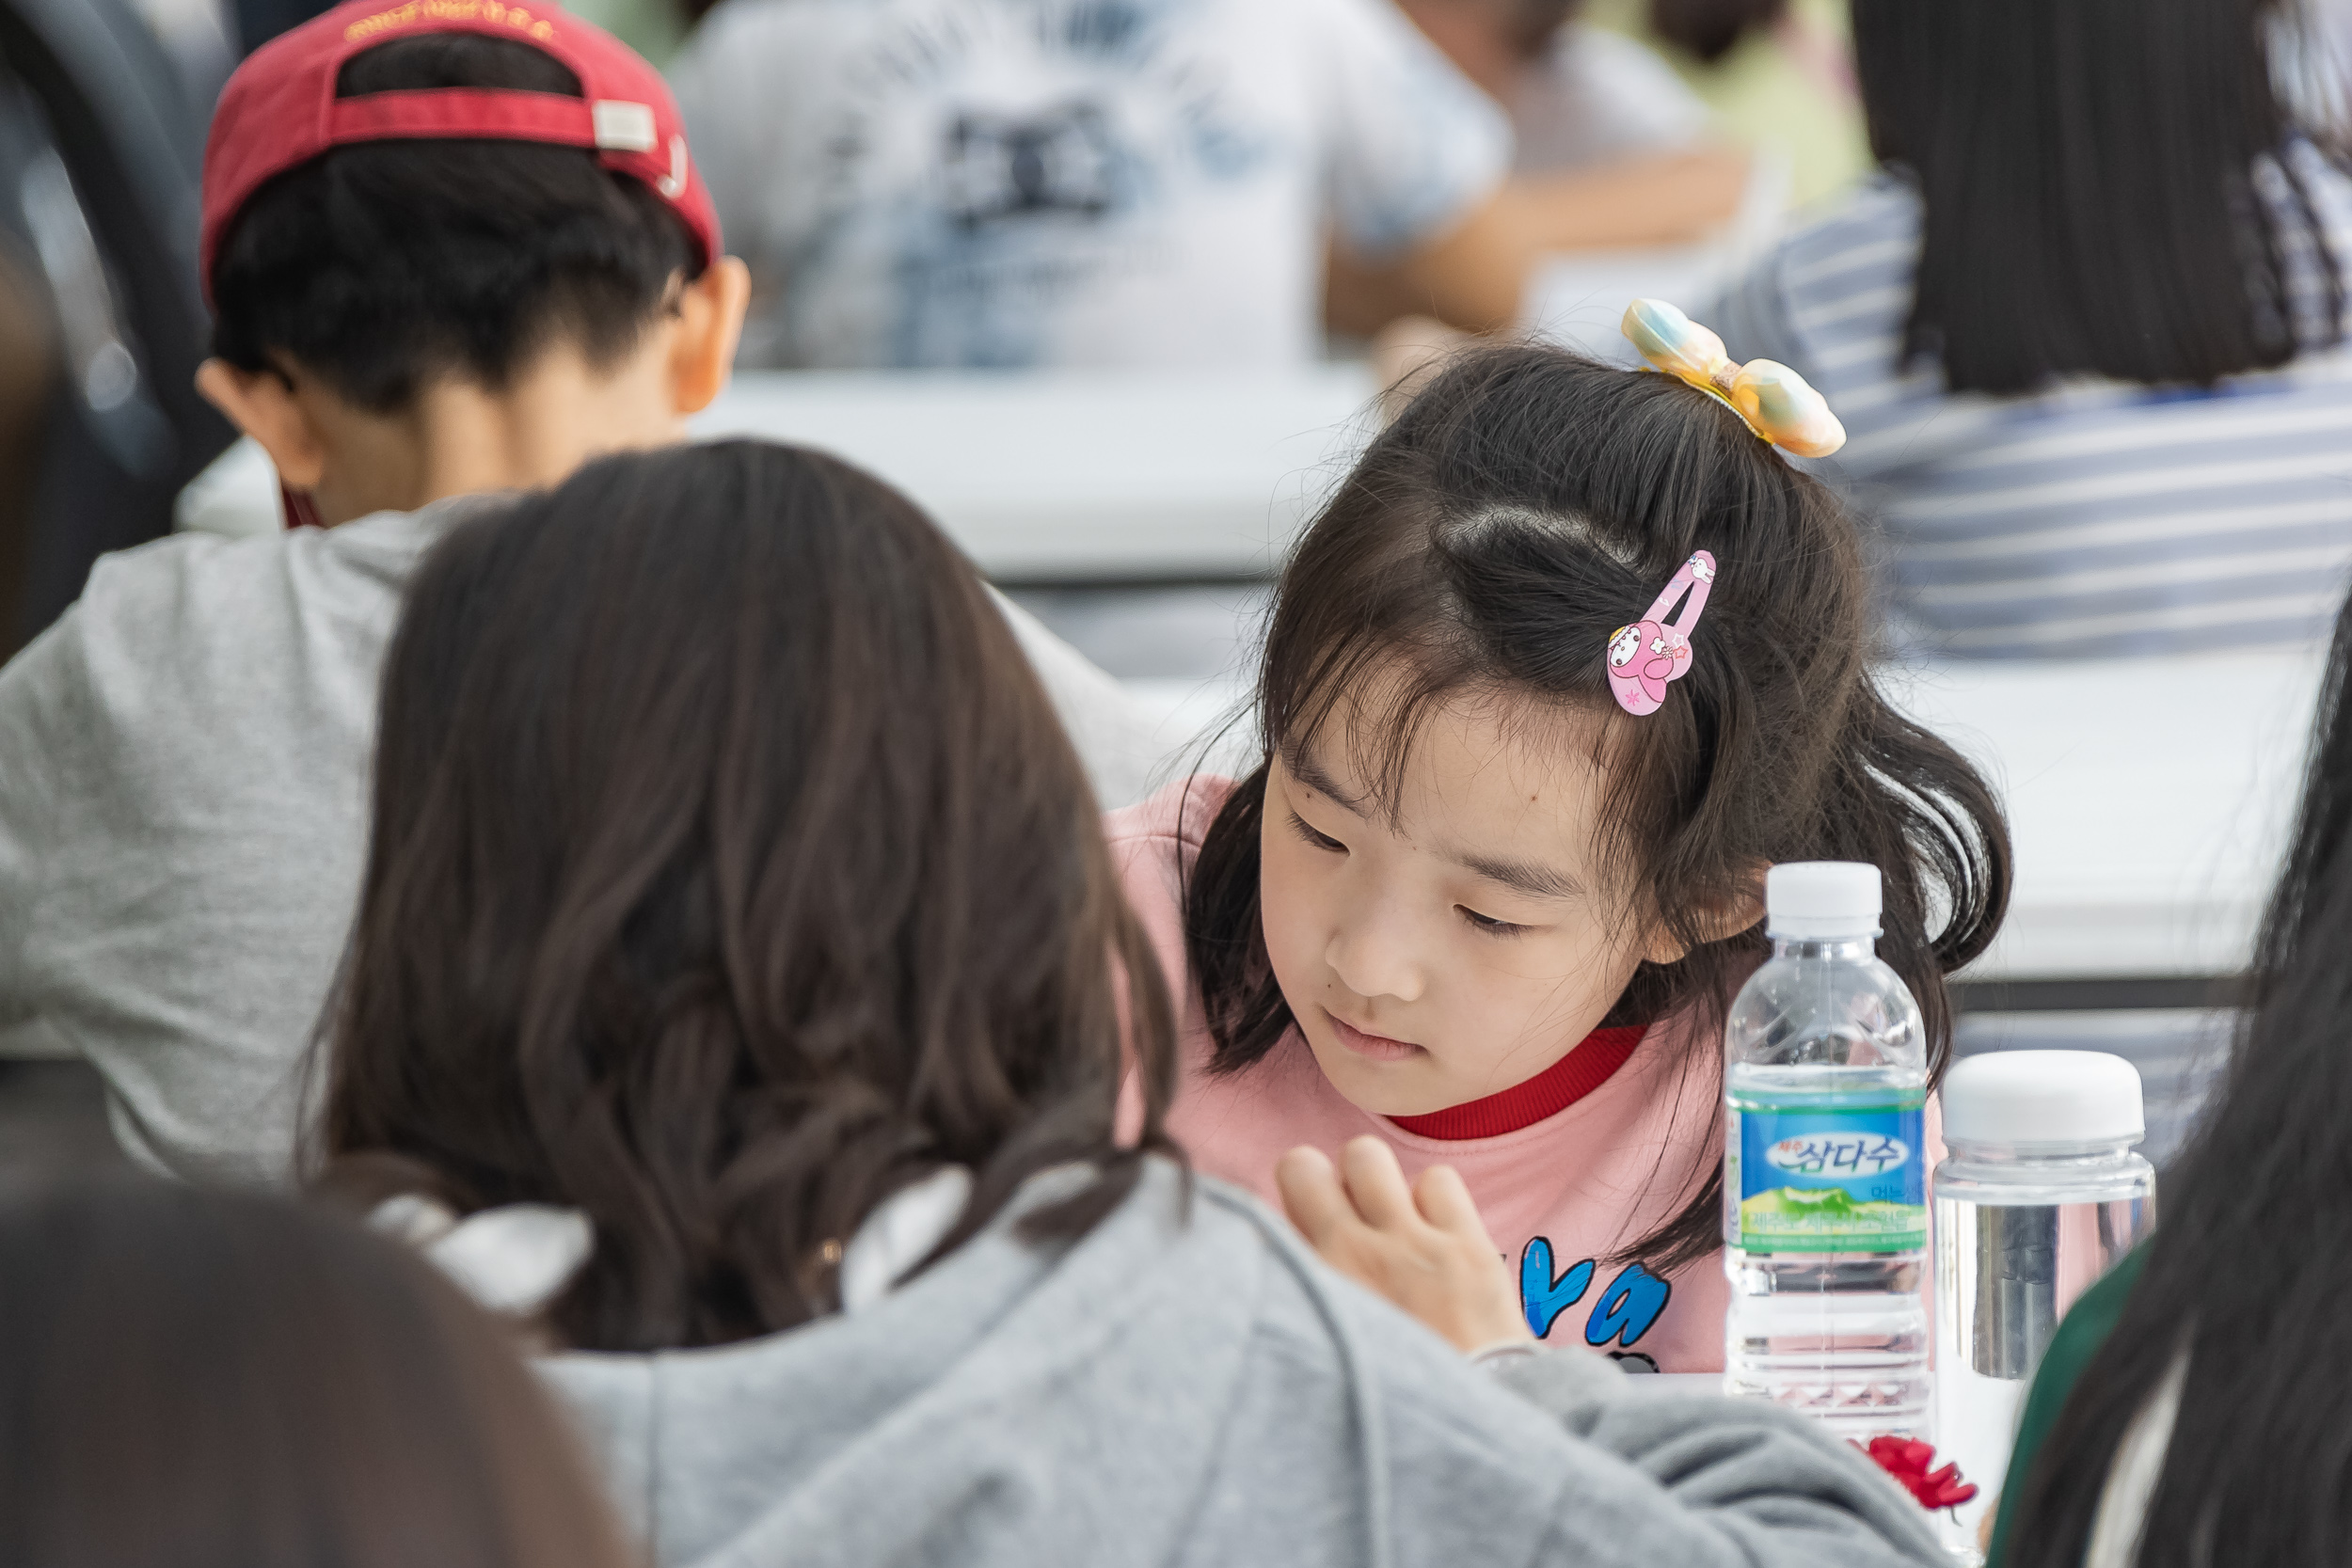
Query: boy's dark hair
[[2105, 187], [385, 266], [730, 871], [1525, 506]]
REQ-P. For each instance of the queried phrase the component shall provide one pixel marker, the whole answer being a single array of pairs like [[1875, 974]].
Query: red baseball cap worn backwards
[[279, 109]]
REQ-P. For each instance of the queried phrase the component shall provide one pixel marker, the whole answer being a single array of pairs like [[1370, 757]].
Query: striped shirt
[[2100, 517]]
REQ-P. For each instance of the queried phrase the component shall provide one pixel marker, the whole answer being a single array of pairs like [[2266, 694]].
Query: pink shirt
[[1559, 1196]]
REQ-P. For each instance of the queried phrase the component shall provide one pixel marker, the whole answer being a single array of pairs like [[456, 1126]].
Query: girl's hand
[[1423, 1247]]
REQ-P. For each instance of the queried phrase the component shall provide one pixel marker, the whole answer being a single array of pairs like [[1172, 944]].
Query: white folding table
[[2150, 803], [1084, 475]]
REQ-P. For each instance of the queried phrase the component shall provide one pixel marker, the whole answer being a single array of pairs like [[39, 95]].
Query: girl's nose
[[1375, 955]]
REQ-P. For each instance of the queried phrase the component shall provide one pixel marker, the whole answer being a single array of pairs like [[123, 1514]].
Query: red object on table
[[1907, 1460]]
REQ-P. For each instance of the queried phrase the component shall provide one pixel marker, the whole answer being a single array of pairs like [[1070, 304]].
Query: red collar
[[1593, 1063]]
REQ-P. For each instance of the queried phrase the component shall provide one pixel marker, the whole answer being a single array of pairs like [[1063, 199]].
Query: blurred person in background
[[1006, 184], [101, 323], [2190, 1409], [1609, 148], [1576, 95], [2085, 329], [201, 38], [736, 909], [194, 1380], [1777, 75]]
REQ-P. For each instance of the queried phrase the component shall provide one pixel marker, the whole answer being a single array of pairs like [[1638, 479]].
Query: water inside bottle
[[1842, 1339], [1839, 1336]]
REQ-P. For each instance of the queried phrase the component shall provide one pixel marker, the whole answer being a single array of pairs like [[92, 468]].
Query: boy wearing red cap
[[458, 228], [452, 247]]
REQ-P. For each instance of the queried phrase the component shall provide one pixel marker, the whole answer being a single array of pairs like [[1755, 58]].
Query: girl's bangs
[[1381, 698]]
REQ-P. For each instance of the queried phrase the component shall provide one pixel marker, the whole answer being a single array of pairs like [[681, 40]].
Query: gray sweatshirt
[[1201, 1391], [184, 807]]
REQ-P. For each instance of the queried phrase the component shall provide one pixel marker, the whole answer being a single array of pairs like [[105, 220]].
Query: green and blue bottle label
[[1829, 1178]]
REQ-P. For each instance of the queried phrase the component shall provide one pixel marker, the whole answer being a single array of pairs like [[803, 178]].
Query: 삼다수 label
[[1849, 1179]]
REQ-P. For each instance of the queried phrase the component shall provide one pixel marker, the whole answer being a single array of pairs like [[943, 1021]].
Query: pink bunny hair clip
[[1777, 403], [1644, 656]]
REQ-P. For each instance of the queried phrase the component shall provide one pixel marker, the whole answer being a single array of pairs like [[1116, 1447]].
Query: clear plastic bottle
[[1825, 1218], [2040, 1194]]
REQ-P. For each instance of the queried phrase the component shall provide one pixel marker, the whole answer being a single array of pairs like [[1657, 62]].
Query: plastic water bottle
[[2040, 1194], [1825, 1216]]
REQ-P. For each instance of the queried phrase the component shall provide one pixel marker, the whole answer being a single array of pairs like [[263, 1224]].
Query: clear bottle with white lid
[[2040, 1192], [1825, 1214]]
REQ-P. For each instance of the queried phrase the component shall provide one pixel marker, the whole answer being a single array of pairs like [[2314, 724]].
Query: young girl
[[1476, 905]]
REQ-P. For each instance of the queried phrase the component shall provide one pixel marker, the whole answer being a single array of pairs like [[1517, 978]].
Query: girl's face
[[1472, 944]]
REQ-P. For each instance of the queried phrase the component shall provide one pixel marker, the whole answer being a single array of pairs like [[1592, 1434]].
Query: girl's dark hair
[[2250, 1270], [189, 1379], [2105, 187], [1527, 504], [730, 872], [385, 266]]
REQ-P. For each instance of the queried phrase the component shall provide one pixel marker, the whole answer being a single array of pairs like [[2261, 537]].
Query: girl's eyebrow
[[1307, 770], [1533, 877]]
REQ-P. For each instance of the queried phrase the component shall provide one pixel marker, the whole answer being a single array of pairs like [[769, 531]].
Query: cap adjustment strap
[[504, 114]]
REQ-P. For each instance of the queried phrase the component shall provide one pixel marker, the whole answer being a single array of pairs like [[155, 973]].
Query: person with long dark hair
[[2189, 1412], [2086, 329], [738, 925], [191, 1379]]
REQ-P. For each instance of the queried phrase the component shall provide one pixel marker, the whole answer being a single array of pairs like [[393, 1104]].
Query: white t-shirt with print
[[1015, 182]]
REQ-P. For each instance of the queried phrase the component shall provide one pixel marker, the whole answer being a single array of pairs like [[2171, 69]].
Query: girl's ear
[[1718, 919]]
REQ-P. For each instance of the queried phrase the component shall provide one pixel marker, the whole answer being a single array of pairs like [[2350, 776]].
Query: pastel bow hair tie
[[1775, 400]]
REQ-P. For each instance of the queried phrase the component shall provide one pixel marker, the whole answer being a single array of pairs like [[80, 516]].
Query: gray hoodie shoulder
[[1187, 1385]]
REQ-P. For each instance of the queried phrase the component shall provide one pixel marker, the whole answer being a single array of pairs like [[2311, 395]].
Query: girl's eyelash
[[1488, 925], [1317, 840]]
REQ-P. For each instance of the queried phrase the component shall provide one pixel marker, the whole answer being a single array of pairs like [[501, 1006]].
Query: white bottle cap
[[1820, 899], [2043, 1097]]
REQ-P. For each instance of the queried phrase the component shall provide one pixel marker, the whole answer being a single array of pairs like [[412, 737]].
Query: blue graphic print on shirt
[[1626, 1310]]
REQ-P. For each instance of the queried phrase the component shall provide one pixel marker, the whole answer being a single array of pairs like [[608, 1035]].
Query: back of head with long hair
[[194, 1379], [2250, 1270], [1527, 504], [730, 872], [2102, 184]]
